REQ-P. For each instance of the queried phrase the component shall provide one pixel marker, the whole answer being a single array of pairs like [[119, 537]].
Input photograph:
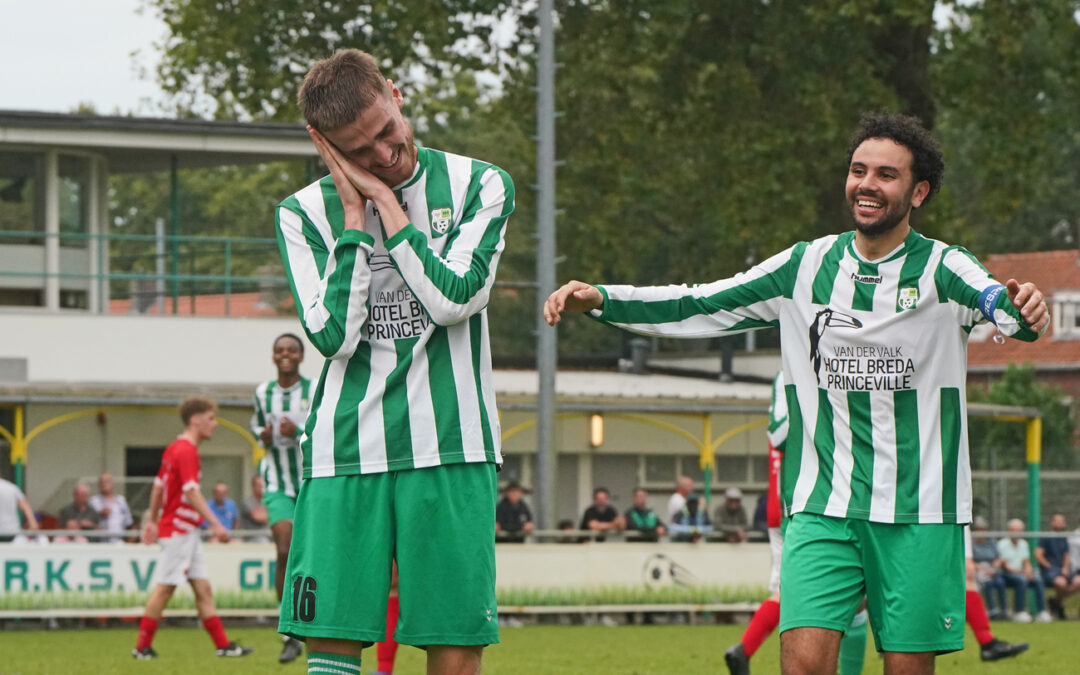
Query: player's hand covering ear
[[574, 296], [1031, 303]]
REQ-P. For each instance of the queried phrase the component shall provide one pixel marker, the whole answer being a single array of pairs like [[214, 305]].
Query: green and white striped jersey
[[874, 364], [402, 321], [778, 415], [282, 465]]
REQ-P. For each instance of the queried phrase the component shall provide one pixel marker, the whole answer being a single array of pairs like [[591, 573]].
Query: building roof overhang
[[139, 144]]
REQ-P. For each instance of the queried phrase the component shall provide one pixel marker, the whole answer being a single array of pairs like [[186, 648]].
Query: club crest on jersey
[[440, 220], [909, 297]]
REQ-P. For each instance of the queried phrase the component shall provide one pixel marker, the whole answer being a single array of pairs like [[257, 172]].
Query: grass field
[[539, 650]]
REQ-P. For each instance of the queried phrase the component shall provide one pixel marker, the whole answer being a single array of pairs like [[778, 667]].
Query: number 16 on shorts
[[303, 599]]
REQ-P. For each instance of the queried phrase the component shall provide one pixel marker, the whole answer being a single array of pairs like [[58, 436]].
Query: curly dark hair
[[927, 163]]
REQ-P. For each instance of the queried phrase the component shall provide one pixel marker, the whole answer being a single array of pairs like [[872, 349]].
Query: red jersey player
[[177, 507]]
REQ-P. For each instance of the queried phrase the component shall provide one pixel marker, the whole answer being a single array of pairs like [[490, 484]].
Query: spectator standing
[[253, 515], [730, 517], [642, 521], [78, 515], [224, 508], [691, 522], [1019, 575], [683, 487], [12, 501], [1055, 566], [601, 516], [513, 519], [113, 508]]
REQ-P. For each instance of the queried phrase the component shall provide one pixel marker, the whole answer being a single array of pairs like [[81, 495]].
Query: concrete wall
[[80, 449], [81, 347]]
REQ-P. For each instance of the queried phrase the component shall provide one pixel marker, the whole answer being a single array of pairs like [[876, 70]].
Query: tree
[[233, 59], [1008, 86], [1019, 387]]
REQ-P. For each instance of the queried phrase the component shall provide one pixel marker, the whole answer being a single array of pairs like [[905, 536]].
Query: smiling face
[[288, 353], [881, 189], [379, 140]]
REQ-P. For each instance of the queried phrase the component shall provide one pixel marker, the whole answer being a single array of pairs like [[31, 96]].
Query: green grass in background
[[265, 599]]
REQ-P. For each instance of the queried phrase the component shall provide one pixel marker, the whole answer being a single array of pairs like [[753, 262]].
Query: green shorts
[[912, 576], [438, 523], [279, 506]]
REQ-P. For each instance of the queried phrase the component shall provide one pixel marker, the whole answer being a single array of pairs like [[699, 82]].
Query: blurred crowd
[[685, 519], [1038, 589], [106, 516]]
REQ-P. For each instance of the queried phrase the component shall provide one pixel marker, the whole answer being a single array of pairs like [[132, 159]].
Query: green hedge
[[265, 599]]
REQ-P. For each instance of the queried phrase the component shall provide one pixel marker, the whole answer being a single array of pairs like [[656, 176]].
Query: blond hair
[[194, 406], [338, 89]]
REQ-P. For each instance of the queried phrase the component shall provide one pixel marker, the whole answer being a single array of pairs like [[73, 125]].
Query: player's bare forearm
[[198, 502], [28, 513], [574, 296], [155, 503], [352, 201], [393, 217]]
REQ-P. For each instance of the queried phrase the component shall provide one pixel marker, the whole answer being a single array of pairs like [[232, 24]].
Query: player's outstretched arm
[[574, 296], [1030, 301]]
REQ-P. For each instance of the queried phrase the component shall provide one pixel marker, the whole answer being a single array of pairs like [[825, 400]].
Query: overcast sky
[[56, 54]]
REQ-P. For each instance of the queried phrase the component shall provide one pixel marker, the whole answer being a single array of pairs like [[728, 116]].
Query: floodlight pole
[[546, 337]]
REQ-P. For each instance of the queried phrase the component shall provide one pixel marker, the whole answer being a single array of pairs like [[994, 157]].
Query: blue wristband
[[988, 300]]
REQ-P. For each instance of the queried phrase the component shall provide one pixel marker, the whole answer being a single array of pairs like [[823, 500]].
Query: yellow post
[[18, 448], [1034, 462]]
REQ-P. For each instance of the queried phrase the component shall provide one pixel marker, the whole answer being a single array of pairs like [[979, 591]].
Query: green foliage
[[235, 59], [1008, 85], [265, 599], [1007, 440], [695, 137], [232, 201]]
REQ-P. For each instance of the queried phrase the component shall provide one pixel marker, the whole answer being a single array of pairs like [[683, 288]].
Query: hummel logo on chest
[[866, 278]]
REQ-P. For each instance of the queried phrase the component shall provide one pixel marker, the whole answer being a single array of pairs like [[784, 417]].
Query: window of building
[[74, 200], [660, 471], [1065, 310], [22, 197]]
